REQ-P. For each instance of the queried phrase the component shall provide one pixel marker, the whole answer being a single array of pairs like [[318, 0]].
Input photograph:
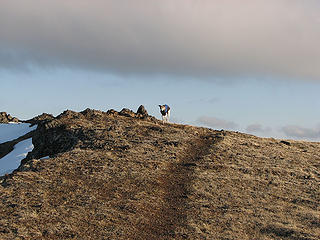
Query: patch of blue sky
[[271, 103]]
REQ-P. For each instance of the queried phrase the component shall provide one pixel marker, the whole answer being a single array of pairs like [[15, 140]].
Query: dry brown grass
[[129, 178]]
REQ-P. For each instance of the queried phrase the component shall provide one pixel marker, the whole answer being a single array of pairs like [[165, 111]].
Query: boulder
[[141, 110], [6, 118], [127, 113]]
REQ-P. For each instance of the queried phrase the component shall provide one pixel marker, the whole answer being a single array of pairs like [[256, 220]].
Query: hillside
[[122, 175]]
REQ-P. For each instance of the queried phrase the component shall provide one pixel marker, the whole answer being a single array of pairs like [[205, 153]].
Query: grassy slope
[[129, 178]]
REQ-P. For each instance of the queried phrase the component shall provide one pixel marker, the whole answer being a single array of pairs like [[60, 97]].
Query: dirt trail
[[170, 219]]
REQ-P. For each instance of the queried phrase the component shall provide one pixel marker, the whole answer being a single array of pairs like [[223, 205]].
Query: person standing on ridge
[[165, 112]]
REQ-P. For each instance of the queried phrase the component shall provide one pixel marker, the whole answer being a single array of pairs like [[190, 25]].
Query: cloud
[[204, 39], [301, 132], [217, 122], [177, 120], [258, 128]]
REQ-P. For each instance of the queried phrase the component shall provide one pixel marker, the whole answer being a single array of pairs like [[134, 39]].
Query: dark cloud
[[258, 128], [301, 132], [217, 122], [207, 38]]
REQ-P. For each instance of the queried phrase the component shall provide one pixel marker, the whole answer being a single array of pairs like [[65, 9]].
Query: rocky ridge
[[125, 175], [6, 118]]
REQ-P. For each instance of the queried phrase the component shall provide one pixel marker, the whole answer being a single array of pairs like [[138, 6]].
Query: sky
[[249, 66]]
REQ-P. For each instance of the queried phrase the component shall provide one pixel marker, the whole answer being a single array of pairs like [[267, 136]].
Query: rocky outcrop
[[127, 113], [71, 130], [142, 111], [44, 117], [6, 118]]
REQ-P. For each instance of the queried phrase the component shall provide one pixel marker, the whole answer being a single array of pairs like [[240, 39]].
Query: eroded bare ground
[[122, 176]]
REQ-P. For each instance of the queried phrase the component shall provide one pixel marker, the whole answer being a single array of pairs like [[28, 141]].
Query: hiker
[[165, 112]]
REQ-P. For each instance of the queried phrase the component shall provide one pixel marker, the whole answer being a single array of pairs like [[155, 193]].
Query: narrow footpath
[[169, 221]]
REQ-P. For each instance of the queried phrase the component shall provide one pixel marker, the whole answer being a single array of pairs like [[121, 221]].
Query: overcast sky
[[249, 65]]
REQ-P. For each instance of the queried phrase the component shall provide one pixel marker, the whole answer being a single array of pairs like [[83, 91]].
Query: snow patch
[[12, 160], [11, 131]]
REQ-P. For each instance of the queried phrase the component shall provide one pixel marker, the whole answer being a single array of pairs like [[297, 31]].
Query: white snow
[[9, 132], [12, 131], [43, 158], [12, 160]]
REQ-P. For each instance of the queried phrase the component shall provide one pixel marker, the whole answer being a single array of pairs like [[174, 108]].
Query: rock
[[285, 142], [127, 113], [91, 113], [112, 112], [141, 110], [6, 118], [44, 117], [70, 115], [15, 120]]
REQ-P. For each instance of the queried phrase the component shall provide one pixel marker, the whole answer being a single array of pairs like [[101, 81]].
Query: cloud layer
[[217, 122], [207, 38], [301, 132], [257, 128]]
